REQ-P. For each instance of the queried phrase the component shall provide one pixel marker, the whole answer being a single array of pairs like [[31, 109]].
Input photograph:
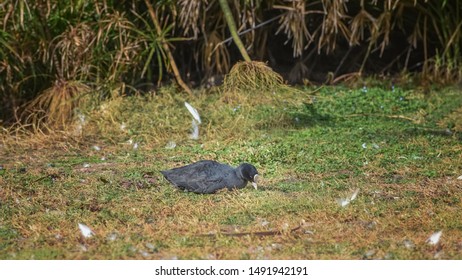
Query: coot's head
[[249, 173]]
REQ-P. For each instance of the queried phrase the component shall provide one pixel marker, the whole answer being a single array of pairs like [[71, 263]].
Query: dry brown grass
[[54, 109], [69, 114], [253, 83], [179, 225]]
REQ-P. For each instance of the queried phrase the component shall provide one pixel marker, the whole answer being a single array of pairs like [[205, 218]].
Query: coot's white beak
[[254, 183]]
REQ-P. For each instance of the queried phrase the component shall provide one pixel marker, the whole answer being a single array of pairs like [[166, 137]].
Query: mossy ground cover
[[391, 144]]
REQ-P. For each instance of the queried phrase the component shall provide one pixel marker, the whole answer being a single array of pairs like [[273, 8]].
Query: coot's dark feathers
[[208, 176]]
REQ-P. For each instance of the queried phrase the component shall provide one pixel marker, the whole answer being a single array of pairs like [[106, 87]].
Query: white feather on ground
[[193, 112], [195, 122], [435, 238], [354, 195], [86, 231], [195, 130], [345, 201]]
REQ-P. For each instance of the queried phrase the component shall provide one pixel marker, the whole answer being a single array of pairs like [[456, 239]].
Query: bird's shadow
[[309, 115], [299, 117]]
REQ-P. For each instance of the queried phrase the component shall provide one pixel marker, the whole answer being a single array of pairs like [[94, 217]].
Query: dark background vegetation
[[58, 51]]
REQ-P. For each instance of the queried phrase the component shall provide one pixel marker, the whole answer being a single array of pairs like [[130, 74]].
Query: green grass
[[389, 144]]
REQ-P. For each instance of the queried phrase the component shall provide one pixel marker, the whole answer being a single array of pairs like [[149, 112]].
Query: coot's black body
[[208, 176]]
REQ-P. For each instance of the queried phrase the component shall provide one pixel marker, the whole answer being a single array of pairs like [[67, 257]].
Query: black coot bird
[[208, 176]]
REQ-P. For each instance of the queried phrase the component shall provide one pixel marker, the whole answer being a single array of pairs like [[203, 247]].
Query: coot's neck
[[239, 174]]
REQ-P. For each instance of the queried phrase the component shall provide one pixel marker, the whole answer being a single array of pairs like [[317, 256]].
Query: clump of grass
[[55, 107], [252, 76], [253, 83]]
